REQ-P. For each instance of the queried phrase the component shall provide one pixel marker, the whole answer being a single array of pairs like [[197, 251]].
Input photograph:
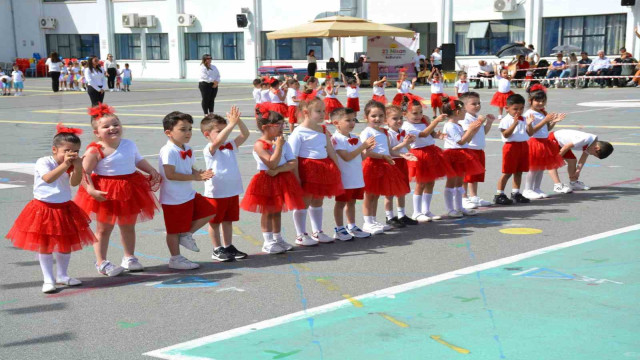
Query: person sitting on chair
[[601, 66], [486, 71]]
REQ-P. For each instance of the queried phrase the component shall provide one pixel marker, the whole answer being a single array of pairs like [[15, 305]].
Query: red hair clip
[[402, 69], [537, 87], [62, 129], [263, 110], [101, 110]]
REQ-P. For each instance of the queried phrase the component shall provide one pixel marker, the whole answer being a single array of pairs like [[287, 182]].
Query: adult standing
[[416, 61], [55, 65], [95, 81], [312, 65], [436, 59], [112, 71], [209, 79]]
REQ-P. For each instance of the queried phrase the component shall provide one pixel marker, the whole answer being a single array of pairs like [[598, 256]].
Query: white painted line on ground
[[161, 353]]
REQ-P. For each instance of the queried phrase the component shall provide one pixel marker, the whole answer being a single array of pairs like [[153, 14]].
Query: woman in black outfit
[[95, 81], [312, 66], [112, 72], [208, 85], [55, 65]]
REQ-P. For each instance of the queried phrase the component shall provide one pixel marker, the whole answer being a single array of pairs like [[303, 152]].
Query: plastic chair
[[37, 56], [31, 69]]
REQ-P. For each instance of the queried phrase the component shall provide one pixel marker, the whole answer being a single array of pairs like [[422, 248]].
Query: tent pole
[[339, 62]]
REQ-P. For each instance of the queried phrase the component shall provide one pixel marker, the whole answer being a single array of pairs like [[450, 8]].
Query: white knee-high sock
[[459, 191], [426, 203], [315, 215], [448, 198], [62, 264], [417, 204], [530, 179], [46, 264], [300, 221], [537, 185]]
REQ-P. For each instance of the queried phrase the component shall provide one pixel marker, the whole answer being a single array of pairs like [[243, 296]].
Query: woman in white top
[[209, 79], [312, 66], [54, 64], [112, 71], [436, 59], [94, 77]]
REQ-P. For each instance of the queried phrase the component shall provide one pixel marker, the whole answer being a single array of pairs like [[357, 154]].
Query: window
[[157, 46], [589, 33], [128, 47], [290, 49], [73, 45], [495, 33], [221, 46]]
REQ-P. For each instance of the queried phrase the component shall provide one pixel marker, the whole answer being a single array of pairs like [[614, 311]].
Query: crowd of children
[[397, 146]]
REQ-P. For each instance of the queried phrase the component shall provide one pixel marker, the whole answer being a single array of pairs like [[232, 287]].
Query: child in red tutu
[[293, 97], [353, 93], [430, 164], [264, 91], [115, 192], [277, 96], [185, 211], [437, 91], [515, 131], [317, 169], [461, 161], [349, 149], [274, 189], [399, 140], [381, 176], [499, 99], [51, 222], [544, 154], [331, 101], [404, 86], [378, 90], [223, 190]]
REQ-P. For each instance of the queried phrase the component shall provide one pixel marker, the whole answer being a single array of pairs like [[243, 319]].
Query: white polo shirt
[[291, 93], [264, 96], [543, 133], [307, 143], [227, 181], [415, 129], [478, 142], [463, 87], [405, 87], [395, 138], [256, 96], [519, 134], [353, 92], [454, 134], [58, 191], [175, 192], [351, 171], [275, 97], [382, 145], [378, 90], [437, 87], [504, 85], [580, 140]]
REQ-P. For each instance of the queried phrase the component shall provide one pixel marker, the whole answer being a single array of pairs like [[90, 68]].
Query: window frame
[[609, 20], [221, 53], [164, 45], [81, 39], [309, 44], [486, 43], [131, 46]]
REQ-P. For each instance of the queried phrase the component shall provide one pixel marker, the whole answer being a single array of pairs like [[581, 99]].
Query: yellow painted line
[[328, 284], [353, 301], [301, 267], [397, 322], [438, 338], [249, 238]]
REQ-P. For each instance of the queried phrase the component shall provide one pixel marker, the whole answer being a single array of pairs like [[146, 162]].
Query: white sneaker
[[321, 237], [342, 234], [272, 247], [384, 227], [180, 262], [48, 288], [373, 229], [188, 242], [110, 90], [531, 195], [356, 232], [433, 216], [579, 185], [454, 214], [542, 194], [283, 244], [562, 189], [108, 269], [468, 212], [132, 264], [306, 240], [421, 218], [481, 202], [468, 203], [69, 281]]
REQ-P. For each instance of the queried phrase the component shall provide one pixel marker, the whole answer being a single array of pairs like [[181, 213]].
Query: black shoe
[[236, 253], [222, 254], [502, 199], [518, 198], [395, 223], [490, 87], [407, 220]]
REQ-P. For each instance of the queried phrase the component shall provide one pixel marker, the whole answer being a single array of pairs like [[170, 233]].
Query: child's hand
[[440, 118], [440, 135], [97, 194], [388, 159], [280, 141], [408, 139], [384, 78], [234, 115], [530, 119], [77, 163], [414, 80], [70, 158], [155, 176], [558, 118], [272, 172], [370, 142], [409, 157], [203, 175], [550, 117], [477, 124], [490, 118]]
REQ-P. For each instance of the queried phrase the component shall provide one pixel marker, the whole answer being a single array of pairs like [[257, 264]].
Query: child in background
[[378, 90], [118, 78], [292, 102], [62, 80], [353, 93], [515, 131], [5, 84], [350, 152], [126, 78], [331, 101], [437, 91], [185, 211], [264, 91], [399, 140], [277, 97], [78, 76], [462, 85], [499, 99], [51, 222], [17, 77], [71, 78], [274, 189], [83, 81], [404, 86], [311, 89], [257, 97]]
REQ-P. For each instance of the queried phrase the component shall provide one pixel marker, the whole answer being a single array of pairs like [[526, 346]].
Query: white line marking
[[161, 353]]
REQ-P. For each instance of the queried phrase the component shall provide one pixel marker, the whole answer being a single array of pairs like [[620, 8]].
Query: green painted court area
[[576, 302]]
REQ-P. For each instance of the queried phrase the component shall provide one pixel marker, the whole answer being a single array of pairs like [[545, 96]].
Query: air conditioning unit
[[186, 19], [147, 21], [505, 5], [129, 20], [48, 23]]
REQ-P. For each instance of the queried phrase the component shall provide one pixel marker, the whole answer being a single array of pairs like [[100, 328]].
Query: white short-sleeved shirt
[[382, 145], [580, 140], [437, 58], [307, 143], [463, 87], [353, 92], [519, 134], [478, 142], [395, 138], [416, 60], [437, 87], [405, 87], [264, 96], [504, 85], [415, 129], [275, 98], [291, 93], [543, 133], [287, 155], [330, 94], [454, 133], [17, 76], [58, 191], [120, 162], [378, 90], [175, 192], [351, 171], [54, 66], [126, 73], [256, 96], [226, 181], [64, 70]]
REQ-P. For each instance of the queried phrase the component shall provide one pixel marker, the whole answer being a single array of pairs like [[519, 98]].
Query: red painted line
[[632, 181]]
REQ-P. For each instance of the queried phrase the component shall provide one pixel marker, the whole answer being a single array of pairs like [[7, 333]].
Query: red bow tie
[[324, 129], [424, 121], [463, 82], [353, 141], [401, 134], [226, 146], [385, 131], [584, 148], [184, 154], [70, 169], [436, 82], [521, 118], [543, 112]]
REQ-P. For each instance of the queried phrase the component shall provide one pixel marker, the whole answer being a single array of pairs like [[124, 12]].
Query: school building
[[165, 39]]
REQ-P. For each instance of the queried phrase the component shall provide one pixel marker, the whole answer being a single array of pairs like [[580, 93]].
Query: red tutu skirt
[[382, 178], [430, 166], [280, 108], [320, 177], [292, 110], [397, 100], [500, 99], [479, 155], [331, 104], [380, 98], [544, 154], [436, 100], [48, 227], [273, 194], [130, 199], [401, 164], [462, 162], [353, 104]]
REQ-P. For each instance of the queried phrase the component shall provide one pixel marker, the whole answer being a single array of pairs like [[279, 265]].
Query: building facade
[[165, 39]]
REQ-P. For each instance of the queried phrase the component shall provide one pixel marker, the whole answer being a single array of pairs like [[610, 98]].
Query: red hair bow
[[537, 87], [353, 141], [62, 129], [401, 134], [402, 69], [412, 98], [263, 110], [307, 97], [101, 110], [328, 76]]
